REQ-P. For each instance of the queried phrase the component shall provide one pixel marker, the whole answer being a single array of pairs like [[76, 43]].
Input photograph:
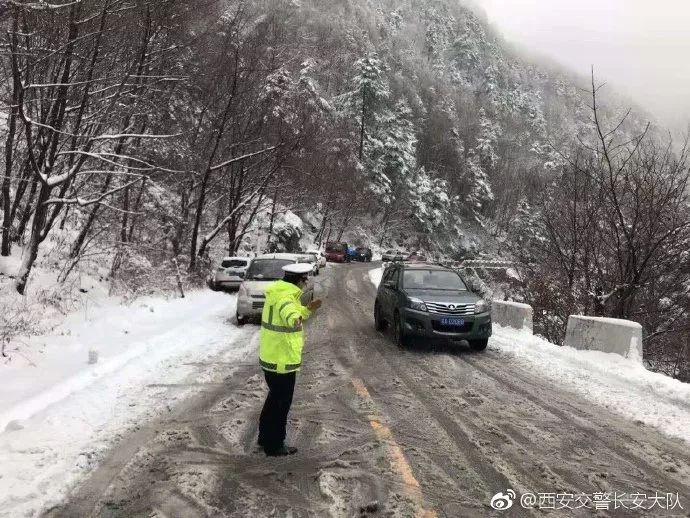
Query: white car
[[313, 259], [393, 255], [262, 271], [320, 255], [230, 273]]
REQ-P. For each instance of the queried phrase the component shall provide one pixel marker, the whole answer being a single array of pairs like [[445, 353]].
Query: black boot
[[280, 452]]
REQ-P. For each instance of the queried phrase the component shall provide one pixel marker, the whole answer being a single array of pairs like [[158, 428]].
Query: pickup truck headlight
[[481, 307], [417, 304], [242, 292]]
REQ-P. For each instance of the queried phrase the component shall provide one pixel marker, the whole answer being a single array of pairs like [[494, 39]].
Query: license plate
[[459, 322]]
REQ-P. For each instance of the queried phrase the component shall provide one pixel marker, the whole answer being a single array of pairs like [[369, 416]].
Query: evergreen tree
[[397, 162], [489, 132], [364, 100], [480, 192], [429, 200]]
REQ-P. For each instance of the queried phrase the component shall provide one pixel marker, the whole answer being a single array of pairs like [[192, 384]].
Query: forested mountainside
[[212, 113], [138, 133]]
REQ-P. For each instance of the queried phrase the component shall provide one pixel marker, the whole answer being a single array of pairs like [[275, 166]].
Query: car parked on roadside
[[416, 257], [433, 303], [320, 255], [364, 254], [263, 270], [393, 255], [388, 255], [230, 273], [314, 260], [336, 252]]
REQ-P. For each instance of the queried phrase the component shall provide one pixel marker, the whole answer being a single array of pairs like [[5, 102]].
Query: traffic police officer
[[280, 353]]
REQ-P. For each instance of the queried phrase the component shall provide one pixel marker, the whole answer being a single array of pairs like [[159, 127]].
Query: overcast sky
[[640, 47]]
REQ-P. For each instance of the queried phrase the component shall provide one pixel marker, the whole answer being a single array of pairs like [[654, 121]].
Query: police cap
[[298, 268]]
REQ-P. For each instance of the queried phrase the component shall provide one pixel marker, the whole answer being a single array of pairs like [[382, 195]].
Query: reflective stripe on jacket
[[281, 338]]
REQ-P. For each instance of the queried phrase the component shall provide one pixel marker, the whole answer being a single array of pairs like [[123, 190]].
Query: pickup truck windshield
[[432, 280], [267, 269]]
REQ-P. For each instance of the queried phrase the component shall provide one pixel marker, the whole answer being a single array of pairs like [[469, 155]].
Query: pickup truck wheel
[[240, 319], [379, 323], [401, 340], [479, 345]]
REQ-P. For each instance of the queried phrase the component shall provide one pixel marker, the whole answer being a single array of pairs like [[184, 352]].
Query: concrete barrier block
[[512, 314], [609, 335]]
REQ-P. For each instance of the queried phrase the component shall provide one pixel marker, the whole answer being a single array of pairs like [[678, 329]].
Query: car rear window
[[432, 280], [234, 263], [267, 269]]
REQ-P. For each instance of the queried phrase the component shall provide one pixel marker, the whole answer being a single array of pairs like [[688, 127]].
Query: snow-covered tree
[[489, 132], [397, 161], [480, 193], [430, 201], [363, 102]]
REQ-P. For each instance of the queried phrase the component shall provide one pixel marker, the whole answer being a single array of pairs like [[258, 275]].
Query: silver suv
[[264, 270]]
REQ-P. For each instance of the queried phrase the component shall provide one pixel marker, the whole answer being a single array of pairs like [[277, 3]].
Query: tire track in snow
[[624, 444], [462, 441]]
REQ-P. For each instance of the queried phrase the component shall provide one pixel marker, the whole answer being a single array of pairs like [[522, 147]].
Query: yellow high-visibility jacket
[[281, 339]]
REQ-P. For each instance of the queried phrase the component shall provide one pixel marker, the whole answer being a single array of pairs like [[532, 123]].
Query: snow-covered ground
[[621, 385], [376, 275], [59, 414]]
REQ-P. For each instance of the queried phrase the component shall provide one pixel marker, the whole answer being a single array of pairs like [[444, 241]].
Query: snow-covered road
[[60, 415], [416, 432], [606, 379], [403, 432]]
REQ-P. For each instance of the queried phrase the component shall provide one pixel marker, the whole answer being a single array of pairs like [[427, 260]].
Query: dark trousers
[[274, 415]]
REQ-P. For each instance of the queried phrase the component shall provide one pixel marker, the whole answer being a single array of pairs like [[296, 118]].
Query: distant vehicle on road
[[263, 270], [336, 252], [388, 255], [430, 302], [314, 260], [363, 254], [393, 255], [230, 273], [320, 255], [416, 257], [351, 254]]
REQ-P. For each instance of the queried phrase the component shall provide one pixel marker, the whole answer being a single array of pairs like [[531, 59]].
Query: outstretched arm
[[293, 312]]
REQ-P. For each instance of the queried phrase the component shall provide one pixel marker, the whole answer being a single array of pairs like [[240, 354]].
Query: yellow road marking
[[395, 454]]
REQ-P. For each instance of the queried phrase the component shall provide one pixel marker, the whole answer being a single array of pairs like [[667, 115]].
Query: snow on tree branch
[[86, 202], [240, 158]]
